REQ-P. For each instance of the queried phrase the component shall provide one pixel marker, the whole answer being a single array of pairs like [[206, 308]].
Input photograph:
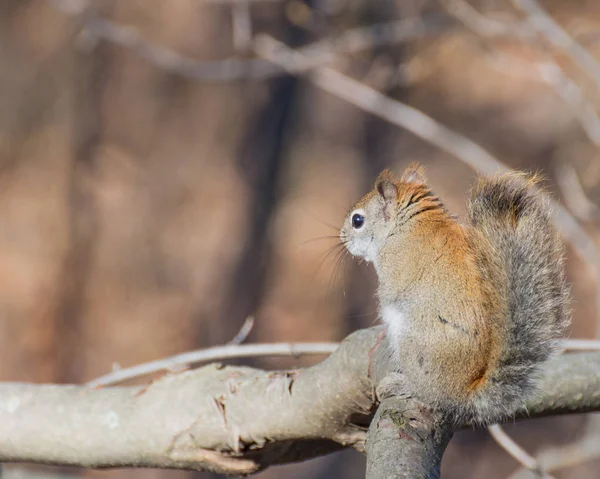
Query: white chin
[[360, 252]]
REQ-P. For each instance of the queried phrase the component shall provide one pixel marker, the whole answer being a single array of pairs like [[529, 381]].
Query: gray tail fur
[[516, 218]]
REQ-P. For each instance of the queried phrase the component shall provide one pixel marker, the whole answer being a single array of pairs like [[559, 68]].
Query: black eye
[[357, 221]]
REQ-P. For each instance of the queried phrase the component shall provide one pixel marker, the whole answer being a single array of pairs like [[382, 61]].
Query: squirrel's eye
[[357, 221]]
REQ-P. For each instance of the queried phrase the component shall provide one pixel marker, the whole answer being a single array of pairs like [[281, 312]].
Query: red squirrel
[[471, 309]]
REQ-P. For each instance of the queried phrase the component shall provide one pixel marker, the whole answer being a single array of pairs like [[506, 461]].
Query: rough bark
[[406, 440], [238, 420]]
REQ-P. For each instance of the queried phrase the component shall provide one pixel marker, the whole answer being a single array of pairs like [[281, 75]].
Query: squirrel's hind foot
[[394, 384]]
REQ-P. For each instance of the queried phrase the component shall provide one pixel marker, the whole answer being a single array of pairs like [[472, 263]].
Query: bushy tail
[[516, 218]]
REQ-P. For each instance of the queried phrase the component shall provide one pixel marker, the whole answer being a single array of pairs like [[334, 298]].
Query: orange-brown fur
[[447, 285]]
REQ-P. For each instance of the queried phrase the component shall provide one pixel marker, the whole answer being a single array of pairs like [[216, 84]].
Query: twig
[[231, 69], [357, 40], [581, 344], [227, 70], [548, 71], [585, 449], [572, 94], [484, 25], [244, 331], [558, 36], [70, 7], [516, 451], [234, 69], [229, 2], [383, 106], [574, 196], [213, 354], [242, 25]]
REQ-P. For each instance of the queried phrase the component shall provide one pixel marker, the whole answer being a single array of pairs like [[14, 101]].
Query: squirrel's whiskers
[[328, 256], [335, 256], [324, 223]]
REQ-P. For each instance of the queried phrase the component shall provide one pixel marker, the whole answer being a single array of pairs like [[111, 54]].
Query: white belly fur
[[395, 320]]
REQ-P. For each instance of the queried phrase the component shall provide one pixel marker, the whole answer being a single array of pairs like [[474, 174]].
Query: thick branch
[[406, 440], [233, 420], [569, 384], [238, 420]]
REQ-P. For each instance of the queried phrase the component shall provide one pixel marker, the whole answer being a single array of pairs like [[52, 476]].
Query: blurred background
[[159, 181]]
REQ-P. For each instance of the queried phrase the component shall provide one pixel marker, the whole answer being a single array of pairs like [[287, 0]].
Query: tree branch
[[239, 420], [216, 353], [541, 21], [406, 439], [321, 52], [231, 420], [517, 452]]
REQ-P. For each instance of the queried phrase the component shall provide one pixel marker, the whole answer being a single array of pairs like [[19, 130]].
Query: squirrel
[[472, 309]]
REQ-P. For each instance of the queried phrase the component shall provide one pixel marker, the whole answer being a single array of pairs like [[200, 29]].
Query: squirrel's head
[[377, 214]]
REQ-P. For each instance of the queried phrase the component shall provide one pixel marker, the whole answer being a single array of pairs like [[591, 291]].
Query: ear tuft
[[414, 173], [385, 175], [386, 186]]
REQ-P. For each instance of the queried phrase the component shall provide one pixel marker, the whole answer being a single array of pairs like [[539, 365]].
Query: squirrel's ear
[[414, 173], [386, 185]]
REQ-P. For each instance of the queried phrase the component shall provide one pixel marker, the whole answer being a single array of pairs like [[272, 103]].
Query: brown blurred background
[[145, 212]]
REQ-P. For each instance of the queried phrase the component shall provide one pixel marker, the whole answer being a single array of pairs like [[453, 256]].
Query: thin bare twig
[[574, 196], [174, 366], [213, 354], [541, 21], [552, 459], [383, 106], [242, 26], [484, 25], [356, 40], [97, 28], [581, 344], [319, 53], [244, 331], [516, 451], [547, 71], [230, 69], [585, 449], [70, 7], [229, 2], [572, 94]]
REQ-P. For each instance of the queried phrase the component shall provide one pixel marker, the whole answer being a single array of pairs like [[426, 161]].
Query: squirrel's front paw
[[394, 384]]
